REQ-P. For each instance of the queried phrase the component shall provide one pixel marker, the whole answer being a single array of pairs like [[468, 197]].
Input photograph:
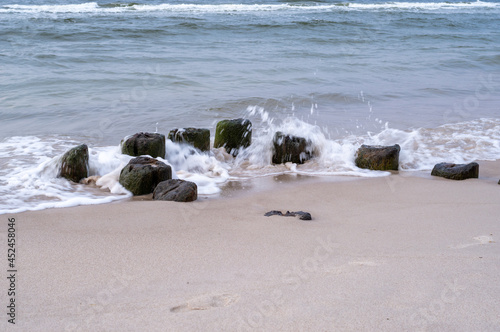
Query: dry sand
[[401, 253]]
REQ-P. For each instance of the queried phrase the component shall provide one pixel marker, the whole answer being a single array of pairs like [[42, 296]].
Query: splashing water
[[28, 176]]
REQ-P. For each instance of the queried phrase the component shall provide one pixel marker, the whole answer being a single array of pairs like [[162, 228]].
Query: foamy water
[[30, 164]]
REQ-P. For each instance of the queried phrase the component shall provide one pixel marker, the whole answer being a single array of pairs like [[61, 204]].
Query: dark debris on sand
[[301, 214]]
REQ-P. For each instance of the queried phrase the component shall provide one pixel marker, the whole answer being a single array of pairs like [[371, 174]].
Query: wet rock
[[142, 144], [176, 190], [380, 158], [142, 175], [233, 134], [290, 148], [199, 138], [301, 214], [75, 163], [456, 171]]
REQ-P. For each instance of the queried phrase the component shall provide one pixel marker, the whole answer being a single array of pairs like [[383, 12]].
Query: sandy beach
[[400, 253], [233, 96]]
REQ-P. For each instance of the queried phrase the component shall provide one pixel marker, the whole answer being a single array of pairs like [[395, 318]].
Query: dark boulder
[[176, 190], [142, 144], [233, 134], [380, 158], [199, 138], [75, 164], [290, 148], [456, 171], [142, 175]]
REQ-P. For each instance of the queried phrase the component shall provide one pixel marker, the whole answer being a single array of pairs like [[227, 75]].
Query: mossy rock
[[290, 148], [233, 135], [75, 164], [199, 138], [380, 158], [142, 174], [456, 171], [141, 144]]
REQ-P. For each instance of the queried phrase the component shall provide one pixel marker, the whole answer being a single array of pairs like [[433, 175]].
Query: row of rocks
[[233, 135], [230, 134], [74, 163], [387, 158], [237, 133], [142, 175]]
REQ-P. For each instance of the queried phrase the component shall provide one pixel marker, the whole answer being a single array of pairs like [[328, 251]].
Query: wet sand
[[401, 253]]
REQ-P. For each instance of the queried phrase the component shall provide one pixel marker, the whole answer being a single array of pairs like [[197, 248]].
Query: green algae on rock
[[233, 135], [75, 163], [142, 174], [199, 138]]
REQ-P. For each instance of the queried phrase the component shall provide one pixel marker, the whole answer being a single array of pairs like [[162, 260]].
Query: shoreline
[[223, 94], [489, 172], [393, 253]]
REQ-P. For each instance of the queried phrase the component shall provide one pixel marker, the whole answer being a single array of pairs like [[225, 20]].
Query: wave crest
[[93, 7]]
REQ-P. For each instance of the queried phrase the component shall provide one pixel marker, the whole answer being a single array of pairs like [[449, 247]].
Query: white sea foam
[[192, 165], [29, 165], [88, 7], [93, 7], [421, 148], [219, 8], [423, 5], [28, 176], [331, 157]]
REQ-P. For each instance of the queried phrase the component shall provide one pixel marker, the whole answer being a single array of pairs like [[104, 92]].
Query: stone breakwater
[[145, 174]]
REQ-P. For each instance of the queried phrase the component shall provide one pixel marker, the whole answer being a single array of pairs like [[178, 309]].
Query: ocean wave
[[424, 5], [93, 7]]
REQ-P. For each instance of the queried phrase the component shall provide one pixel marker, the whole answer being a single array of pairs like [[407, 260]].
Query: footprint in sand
[[482, 239], [206, 302]]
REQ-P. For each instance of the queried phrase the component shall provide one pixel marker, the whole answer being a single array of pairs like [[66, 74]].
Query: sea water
[[424, 75]]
